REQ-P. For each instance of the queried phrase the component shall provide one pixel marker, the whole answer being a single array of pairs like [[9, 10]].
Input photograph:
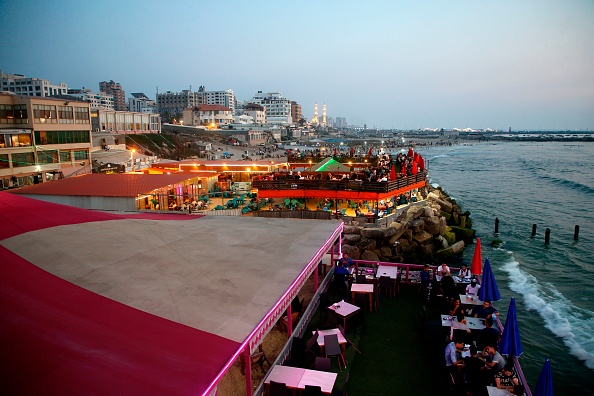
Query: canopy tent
[[141, 304], [329, 164]]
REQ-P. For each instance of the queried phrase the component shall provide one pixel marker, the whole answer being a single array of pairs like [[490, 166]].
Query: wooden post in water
[[496, 225], [533, 229], [576, 233], [547, 235]]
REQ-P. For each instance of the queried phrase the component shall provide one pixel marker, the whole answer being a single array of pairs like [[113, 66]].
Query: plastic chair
[[385, 283], [311, 390], [278, 389], [322, 364], [351, 343]]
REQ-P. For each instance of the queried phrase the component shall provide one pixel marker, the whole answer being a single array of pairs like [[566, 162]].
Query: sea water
[[550, 184]]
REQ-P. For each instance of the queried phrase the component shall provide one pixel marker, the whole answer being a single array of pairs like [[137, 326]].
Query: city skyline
[[527, 66]]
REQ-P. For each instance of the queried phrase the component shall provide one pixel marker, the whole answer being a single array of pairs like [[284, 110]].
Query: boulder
[[352, 230], [352, 251], [466, 234], [450, 237], [417, 225], [442, 241], [423, 238], [432, 225], [427, 249], [379, 232], [369, 256], [400, 230], [444, 205], [366, 244], [442, 225], [386, 251], [457, 247], [351, 239]]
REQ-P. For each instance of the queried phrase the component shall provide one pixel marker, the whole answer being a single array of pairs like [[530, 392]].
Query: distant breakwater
[[430, 231]]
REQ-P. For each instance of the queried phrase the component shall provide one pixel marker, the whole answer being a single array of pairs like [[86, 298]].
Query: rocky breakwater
[[429, 231]]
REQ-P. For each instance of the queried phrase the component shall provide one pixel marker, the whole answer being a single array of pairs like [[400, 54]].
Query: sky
[[528, 64]]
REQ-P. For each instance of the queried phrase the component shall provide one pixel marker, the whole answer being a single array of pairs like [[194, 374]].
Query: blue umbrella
[[510, 343], [489, 290], [544, 385]]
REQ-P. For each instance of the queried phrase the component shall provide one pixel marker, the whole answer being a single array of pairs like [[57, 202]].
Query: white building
[[26, 86], [257, 112], [278, 109], [96, 100], [223, 98], [140, 103], [206, 114]]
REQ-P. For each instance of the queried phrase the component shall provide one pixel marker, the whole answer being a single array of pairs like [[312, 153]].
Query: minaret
[[314, 120], [324, 115]]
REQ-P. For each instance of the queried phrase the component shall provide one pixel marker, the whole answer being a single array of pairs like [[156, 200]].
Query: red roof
[[105, 185]]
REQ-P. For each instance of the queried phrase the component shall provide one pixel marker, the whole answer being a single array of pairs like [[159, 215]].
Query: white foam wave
[[573, 324]]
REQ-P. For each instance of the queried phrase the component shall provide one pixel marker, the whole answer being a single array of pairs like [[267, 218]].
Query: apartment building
[[27, 86], [223, 98], [257, 112], [296, 113], [42, 139], [114, 89], [278, 109], [95, 99], [205, 114], [140, 103], [174, 103]]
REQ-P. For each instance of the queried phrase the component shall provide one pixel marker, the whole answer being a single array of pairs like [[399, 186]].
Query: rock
[[385, 251], [432, 225], [455, 219], [369, 256], [417, 225], [442, 225], [465, 234], [457, 247], [351, 239], [463, 222], [428, 249], [429, 212], [400, 230], [352, 251], [450, 237], [379, 232], [444, 243], [366, 244], [444, 205], [423, 238], [352, 230]]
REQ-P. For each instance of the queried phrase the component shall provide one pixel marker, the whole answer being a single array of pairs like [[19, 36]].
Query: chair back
[[311, 390], [361, 279], [278, 388], [385, 282], [312, 341], [331, 345]]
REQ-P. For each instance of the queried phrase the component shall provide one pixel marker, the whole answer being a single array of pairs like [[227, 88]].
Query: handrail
[[339, 185]]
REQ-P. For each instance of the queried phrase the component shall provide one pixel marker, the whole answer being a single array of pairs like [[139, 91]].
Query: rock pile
[[428, 231]]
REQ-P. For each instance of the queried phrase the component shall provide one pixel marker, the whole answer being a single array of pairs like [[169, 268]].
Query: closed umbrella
[[510, 343], [370, 153], [489, 290], [352, 151], [410, 152], [335, 152], [477, 259], [544, 385], [421, 162], [393, 173]]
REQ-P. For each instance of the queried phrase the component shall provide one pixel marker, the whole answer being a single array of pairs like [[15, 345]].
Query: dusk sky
[[390, 64]]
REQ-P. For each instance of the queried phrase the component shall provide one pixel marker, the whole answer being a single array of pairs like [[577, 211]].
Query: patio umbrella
[[410, 152], [335, 152], [393, 173], [510, 343], [370, 153], [414, 169], [489, 290], [352, 151], [421, 163], [477, 259], [544, 385]]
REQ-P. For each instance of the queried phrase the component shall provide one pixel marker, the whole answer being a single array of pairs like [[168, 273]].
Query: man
[[443, 270], [346, 261], [493, 359], [341, 278], [472, 288], [451, 357], [489, 335], [475, 370], [506, 378], [425, 276], [485, 311], [464, 272]]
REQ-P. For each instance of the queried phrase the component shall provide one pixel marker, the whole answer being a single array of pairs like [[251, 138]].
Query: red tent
[[393, 173], [477, 259]]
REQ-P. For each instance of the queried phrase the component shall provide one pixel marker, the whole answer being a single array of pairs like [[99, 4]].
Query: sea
[[550, 185]]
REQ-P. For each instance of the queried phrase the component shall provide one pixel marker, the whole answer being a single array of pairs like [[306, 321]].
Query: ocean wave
[[541, 173], [573, 324]]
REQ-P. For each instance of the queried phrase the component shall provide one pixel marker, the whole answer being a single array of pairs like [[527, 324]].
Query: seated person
[[472, 288], [464, 272], [485, 311], [493, 359], [489, 335], [443, 270], [506, 378], [460, 328], [346, 260], [456, 308], [341, 276], [474, 372], [452, 360]]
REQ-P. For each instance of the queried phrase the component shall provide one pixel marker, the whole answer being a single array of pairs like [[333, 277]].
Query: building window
[[4, 161], [47, 157], [81, 115], [45, 114], [6, 114], [65, 156], [66, 116], [22, 159], [62, 137], [80, 155]]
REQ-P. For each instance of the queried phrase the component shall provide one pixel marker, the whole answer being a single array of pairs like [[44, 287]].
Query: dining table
[[363, 288], [341, 340], [494, 391], [470, 299], [296, 378], [473, 323], [344, 310]]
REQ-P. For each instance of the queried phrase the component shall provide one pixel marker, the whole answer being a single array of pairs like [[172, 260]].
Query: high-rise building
[[21, 85], [114, 89], [140, 103], [296, 113], [96, 100], [223, 98], [174, 103]]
